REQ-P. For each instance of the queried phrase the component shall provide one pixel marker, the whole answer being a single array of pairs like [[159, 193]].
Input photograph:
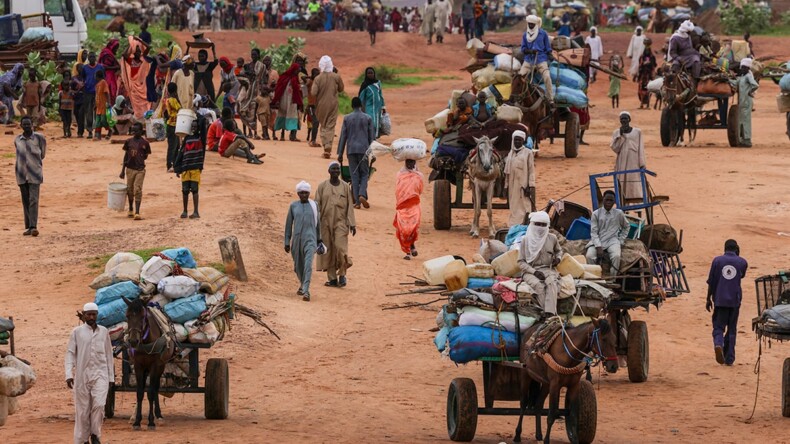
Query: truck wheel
[[462, 409], [638, 352], [572, 136], [217, 389], [786, 388], [587, 413], [732, 126], [109, 404], [442, 213]]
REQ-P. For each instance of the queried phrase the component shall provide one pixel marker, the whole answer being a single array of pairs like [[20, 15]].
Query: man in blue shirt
[[724, 296], [536, 47], [356, 136], [88, 76]]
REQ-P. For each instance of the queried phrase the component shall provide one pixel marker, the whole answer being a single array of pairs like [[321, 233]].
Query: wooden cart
[[215, 390], [773, 290]]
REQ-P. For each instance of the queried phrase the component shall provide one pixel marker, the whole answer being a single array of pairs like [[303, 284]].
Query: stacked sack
[[170, 281], [16, 378], [490, 303]]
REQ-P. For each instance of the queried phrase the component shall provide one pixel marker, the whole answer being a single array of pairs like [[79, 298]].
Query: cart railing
[[772, 289], [669, 272]]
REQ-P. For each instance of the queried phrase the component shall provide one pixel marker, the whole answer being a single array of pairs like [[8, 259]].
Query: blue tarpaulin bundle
[[182, 256], [186, 309], [126, 289], [468, 343]]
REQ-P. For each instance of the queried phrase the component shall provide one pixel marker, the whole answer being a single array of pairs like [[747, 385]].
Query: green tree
[[745, 18]]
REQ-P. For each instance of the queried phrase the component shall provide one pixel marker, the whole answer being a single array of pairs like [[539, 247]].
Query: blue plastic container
[[580, 229], [11, 29]]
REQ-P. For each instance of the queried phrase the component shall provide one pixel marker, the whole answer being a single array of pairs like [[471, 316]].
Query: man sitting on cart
[[536, 47], [608, 231], [538, 255], [682, 53]]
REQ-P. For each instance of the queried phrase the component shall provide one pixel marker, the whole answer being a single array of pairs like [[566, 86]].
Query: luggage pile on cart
[[773, 321], [196, 300], [16, 375]]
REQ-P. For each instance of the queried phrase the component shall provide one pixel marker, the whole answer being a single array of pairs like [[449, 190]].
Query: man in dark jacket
[[357, 134], [724, 296]]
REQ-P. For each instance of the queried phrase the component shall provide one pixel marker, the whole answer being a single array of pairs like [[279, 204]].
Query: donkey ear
[[493, 141], [476, 140], [127, 301]]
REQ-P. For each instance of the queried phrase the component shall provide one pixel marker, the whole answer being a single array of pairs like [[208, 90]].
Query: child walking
[[172, 106], [66, 106], [263, 103], [31, 97], [136, 150], [616, 65], [102, 106], [188, 166]]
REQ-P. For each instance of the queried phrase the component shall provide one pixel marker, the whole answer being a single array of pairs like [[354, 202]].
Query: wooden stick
[[417, 291], [255, 315], [413, 304], [608, 71]]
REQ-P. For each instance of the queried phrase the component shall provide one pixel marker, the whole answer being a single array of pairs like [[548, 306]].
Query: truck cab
[[68, 22]]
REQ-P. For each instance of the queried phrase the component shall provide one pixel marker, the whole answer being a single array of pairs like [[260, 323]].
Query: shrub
[[282, 55], [745, 18]]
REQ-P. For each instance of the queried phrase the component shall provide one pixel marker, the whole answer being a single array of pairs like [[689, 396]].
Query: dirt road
[[346, 371]]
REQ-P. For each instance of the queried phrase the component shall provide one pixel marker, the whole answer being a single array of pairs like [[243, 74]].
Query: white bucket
[[116, 196], [184, 122]]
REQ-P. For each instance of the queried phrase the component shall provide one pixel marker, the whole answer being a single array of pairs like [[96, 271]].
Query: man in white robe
[[635, 50], [520, 179], [89, 372], [628, 144], [538, 256], [596, 50]]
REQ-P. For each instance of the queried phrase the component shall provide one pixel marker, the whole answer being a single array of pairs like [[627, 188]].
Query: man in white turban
[[596, 50], [747, 86], [326, 88], [336, 202], [89, 372], [538, 256], [681, 50], [629, 145], [302, 236], [536, 47], [520, 178]]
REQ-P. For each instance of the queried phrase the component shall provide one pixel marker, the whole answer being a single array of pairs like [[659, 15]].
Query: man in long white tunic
[[303, 236], [596, 49], [89, 372], [336, 203], [628, 144], [538, 255], [635, 50], [747, 86], [520, 179], [428, 21], [443, 10]]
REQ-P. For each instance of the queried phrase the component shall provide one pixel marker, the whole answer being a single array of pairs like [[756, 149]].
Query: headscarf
[[90, 306], [13, 78], [639, 28], [82, 57], [366, 81], [175, 52], [536, 236], [228, 65], [291, 75], [187, 60], [685, 28], [593, 28], [303, 186], [513, 149], [119, 102], [532, 34], [625, 113], [747, 62], [333, 163], [325, 64]]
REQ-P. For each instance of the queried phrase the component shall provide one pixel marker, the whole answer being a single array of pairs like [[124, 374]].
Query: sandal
[[306, 297], [332, 283], [413, 251], [407, 258], [299, 291]]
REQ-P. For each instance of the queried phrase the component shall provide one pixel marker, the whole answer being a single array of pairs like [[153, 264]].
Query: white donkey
[[483, 167]]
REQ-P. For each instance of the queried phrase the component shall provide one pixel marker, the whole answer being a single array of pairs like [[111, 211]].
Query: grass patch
[[98, 36], [219, 266], [9, 155], [393, 76], [776, 30], [145, 253], [344, 104]]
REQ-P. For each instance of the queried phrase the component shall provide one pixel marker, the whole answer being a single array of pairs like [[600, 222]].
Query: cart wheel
[[217, 389], [462, 409], [586, 412], [732, 126], [787, 118], [442, 216], [109, 404], [786, 388], [638, 352], [572, 136], [665, 138]]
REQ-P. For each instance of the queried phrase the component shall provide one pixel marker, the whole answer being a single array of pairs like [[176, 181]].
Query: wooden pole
[[231, 257]]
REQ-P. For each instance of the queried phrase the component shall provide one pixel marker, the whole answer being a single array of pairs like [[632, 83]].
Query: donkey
[[483, 167], [150, 349], [534, 104], [561, 366]]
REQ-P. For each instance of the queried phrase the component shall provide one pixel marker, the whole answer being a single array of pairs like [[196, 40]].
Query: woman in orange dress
[[407, 207]]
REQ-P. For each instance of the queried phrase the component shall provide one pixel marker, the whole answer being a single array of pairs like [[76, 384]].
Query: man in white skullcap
[[629, 145], [536, 47], [302, 236], [596, 49], [326, 88], [336, 203], [520, 178], [681, 50], [635, 50], [89, 372], [538, 255], [747, 86]]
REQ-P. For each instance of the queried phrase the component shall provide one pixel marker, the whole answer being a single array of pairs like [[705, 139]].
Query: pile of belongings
[[197, 301], [401, 149], [16, 378], [490, 303], [777, 318]]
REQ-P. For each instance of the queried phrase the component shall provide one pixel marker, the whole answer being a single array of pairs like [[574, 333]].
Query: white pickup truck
[[68, 22]]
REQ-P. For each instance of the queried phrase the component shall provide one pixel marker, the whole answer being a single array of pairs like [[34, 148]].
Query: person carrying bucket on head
[[136, 150]]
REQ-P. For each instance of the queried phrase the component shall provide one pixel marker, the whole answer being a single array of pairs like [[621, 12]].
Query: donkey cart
[[215, 391], [501, 382], [774, 291]]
